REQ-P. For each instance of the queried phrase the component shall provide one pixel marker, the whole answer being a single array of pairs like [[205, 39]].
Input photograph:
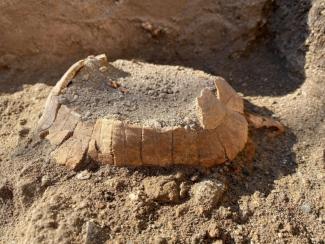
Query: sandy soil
[[146, 94], [277, 198]]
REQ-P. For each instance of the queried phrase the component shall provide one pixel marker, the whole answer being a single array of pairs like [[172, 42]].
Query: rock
[[184, 189], [94, 233], [45, 181], [135, 196], [28, 188], [195, 178], [207, 193], [103, 69], [162, 189], [306, 208], [83, 175], [179, 175], [5, 191], [115, 183], [213, 231]]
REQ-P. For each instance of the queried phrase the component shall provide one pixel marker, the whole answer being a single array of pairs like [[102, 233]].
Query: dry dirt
[[147, 94], [277, 198]]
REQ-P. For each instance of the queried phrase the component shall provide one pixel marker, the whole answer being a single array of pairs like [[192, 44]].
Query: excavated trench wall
[[37, 35], [42, 36]]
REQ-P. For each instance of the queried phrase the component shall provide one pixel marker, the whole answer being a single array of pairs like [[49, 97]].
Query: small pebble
[[87, 114], [93, 233], [213, 231], [103, 69], [45, 180], [83, 175], [306, 208], [184, 189], [195, 178]]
